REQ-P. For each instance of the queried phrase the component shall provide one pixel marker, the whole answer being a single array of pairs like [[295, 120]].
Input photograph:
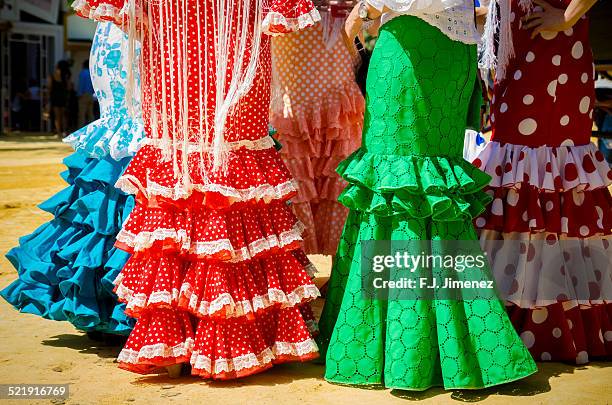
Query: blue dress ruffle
[[67, 266]]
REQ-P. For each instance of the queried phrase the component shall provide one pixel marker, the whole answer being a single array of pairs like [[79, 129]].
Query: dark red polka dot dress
[[217, 277], [552, 207]]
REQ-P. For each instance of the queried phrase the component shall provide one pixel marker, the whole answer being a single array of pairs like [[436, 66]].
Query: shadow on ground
[[83, 344], [535, 384]]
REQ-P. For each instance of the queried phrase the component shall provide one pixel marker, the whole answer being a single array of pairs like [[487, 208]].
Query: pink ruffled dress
[[317, 109]]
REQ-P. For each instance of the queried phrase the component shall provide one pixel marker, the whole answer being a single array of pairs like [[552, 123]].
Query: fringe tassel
[[497, 55], [237, 35], [242, 78], [526, 5], [332, 29]]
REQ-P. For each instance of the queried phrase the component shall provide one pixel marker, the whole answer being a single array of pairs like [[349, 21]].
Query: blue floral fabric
[[118, 132]]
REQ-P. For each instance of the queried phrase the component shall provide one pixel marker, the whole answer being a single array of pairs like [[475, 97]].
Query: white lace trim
[[234, 309], [144, 240], [137, 301], [295, 349], [193, 147], [302, 293], [129, 184], [97, 13], [300, 22], [455, 19], [265, 192], [131, 356], [251, 360]]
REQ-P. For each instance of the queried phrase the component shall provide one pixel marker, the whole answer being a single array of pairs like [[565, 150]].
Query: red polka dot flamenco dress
[[217, 277], [552, 205]]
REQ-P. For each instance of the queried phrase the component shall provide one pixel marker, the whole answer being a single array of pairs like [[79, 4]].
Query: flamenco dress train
[[67, 266], [408, 181], [549, 228]]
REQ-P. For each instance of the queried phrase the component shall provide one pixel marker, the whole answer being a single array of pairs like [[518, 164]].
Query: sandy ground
[[34, 350]]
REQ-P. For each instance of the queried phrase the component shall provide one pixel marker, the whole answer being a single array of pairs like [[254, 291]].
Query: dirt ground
[[34, 350]]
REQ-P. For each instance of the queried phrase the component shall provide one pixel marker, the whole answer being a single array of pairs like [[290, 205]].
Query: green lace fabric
[[408, 181]]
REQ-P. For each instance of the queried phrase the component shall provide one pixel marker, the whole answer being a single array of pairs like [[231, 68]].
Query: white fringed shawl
[[236, 46]]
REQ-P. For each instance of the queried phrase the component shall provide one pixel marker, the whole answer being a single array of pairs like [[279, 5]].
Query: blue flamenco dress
[[67, 266]]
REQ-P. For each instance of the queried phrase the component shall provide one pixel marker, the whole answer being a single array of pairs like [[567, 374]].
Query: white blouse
[[454, 18]]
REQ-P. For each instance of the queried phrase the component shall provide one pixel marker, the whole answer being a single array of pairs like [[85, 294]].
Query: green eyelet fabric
[[408, 181]]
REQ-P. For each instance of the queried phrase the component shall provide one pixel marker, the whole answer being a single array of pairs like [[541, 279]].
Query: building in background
[[34, 36]]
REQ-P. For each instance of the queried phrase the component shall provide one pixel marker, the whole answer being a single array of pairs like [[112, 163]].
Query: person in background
[[33, 105], [19, 103], [85, 93], [59, 86]]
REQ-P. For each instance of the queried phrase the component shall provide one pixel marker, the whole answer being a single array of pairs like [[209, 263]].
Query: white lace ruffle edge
[[129, 184], [103, 12], [234, 309], [252, 360], [144, 240], [259, 144], [137, 301], [158, 350], [300, 22], [534, 270]]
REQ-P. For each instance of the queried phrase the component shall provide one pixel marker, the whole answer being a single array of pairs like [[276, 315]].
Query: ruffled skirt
[[67, 266], [217, 277]]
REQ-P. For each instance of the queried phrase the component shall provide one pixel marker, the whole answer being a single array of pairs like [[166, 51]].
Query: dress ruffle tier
[[579, 334], [253, 174], [552, 210], [115, 135], [67, 266], [444, 189]]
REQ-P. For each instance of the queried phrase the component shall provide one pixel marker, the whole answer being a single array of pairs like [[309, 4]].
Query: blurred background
[[42, 45]]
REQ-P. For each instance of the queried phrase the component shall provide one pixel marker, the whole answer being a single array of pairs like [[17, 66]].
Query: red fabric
[[290, 13], [209, 233], [527, 209], [261, 173], [524, 112], [576, 335], [161, 338], [232, 339]]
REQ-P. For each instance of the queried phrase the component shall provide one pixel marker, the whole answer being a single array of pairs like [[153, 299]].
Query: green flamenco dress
[[408, 181]]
